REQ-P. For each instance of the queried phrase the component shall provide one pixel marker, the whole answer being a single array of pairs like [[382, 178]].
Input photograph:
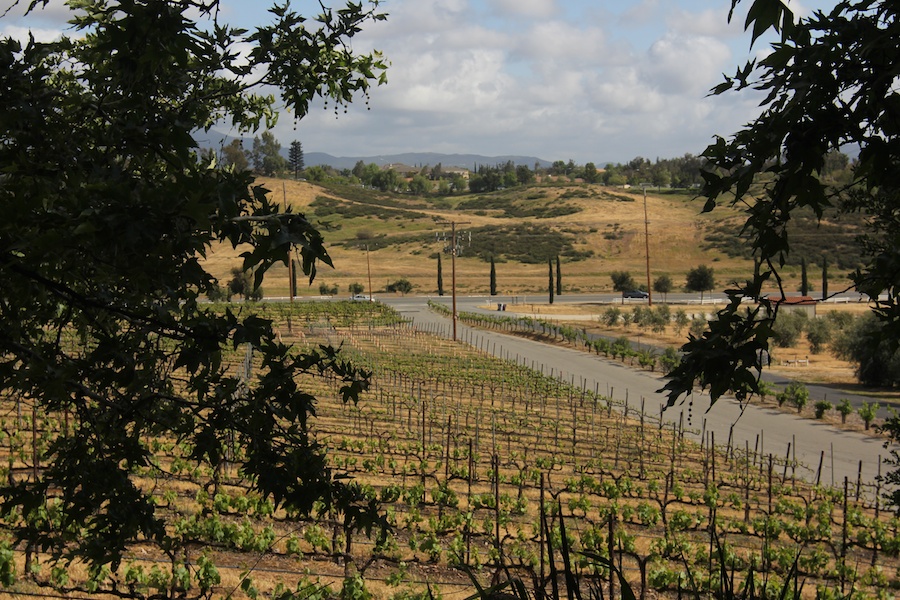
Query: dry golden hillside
[[594, 229]]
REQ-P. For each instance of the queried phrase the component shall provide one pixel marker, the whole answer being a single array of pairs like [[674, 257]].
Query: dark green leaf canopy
[[830, 81], [108, 213]]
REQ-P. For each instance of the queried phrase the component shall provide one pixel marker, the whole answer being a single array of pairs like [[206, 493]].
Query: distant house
[[806, 304], [451, 171], [402, 170]]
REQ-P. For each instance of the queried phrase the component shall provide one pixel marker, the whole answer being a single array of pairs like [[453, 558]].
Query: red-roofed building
[[805, 303]]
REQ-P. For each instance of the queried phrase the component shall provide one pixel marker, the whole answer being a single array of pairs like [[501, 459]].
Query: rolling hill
[[594, 229]]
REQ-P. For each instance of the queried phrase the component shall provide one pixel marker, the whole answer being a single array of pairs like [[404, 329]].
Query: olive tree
[[700, 279], [109, 210], [622, 281], [663, 285]]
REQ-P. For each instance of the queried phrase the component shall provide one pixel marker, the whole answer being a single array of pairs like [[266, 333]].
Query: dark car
[[635, 294]]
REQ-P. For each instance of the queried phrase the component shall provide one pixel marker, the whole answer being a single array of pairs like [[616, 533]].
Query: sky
[[587, 80]]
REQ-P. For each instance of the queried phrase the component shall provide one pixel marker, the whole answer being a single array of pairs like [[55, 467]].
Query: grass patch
[[526, 243], [517, 208], [363, 195], [325, 206], [611, 197], [810, 238]]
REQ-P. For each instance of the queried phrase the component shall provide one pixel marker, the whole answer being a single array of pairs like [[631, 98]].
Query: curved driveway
[[812, 443]]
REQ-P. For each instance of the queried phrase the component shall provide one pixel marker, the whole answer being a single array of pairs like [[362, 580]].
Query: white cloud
[[641, 13], [421, 17], [450, 82], [21, 33], [533, 9], [708, 23], [55, 10], [45, 23], [564, 45], [686, 65], [550, 78], [550, 86]]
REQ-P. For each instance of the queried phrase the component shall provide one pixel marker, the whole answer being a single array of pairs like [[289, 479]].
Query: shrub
[[328, 290], [611, 316], [765, 389], [602, 345], [877, 364], [821, 407], [661, 317], [698, 326], [647, 359], [795, 393], [818, 333], [840, 320], [401, 285], [788, 327], [867, 413], [669, 360], [641, 316], [216, 293], [622, 347], [781, 398], [845, 408], [241, 284]]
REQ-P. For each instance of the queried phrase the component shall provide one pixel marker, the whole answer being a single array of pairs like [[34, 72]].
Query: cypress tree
[[440, 277], [493, 278], [550, 273], [824, 277], [804, 280], [558, 278]]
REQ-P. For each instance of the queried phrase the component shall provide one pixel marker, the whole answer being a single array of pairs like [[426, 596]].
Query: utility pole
[[454, 250], [369, 271], [290, 264], [371, 302], [647, 246], [453, 276]]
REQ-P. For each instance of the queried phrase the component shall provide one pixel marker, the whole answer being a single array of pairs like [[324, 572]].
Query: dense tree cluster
[[683, 172]]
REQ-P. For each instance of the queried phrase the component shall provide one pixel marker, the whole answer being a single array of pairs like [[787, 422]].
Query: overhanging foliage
[[108, 211]]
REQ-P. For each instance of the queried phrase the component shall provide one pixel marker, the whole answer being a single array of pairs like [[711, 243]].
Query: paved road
[[816, 391], [771, 431]]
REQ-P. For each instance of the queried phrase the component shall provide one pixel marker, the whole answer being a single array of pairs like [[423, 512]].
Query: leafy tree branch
[[829, 81], [109, 211]]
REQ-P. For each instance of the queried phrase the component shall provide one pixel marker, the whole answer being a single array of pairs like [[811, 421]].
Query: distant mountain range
[[215, 139], [420, 159]]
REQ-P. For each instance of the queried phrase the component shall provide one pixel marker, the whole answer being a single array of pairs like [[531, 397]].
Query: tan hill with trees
[[593, 228]]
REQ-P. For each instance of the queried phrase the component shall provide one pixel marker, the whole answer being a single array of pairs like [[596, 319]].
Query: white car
[[362, 298]]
